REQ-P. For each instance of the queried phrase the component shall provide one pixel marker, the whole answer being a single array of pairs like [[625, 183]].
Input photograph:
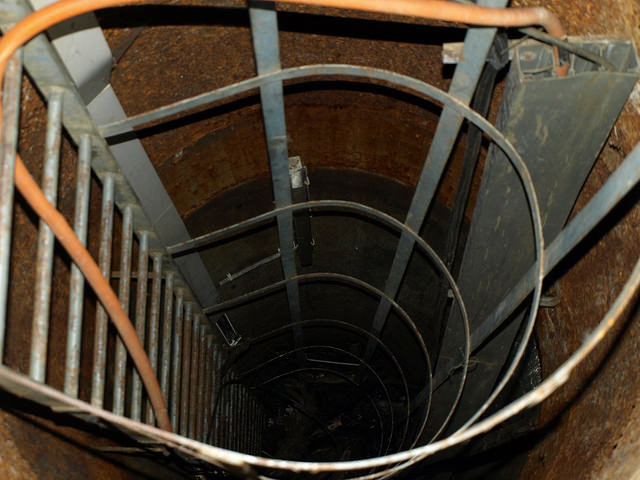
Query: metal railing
[[163, 320], [208, 400]]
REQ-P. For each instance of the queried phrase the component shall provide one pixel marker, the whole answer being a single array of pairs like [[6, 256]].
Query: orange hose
[[53, 14], [456, 12]]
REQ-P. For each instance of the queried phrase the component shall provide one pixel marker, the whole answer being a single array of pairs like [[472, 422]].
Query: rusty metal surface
[[368, 129]]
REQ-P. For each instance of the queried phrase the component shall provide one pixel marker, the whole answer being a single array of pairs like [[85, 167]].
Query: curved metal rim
[[352, 281], [383, 386]]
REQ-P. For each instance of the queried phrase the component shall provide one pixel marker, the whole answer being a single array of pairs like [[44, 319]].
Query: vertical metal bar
[[46, 241], [10, 128], [254, 427], [475, 50], [230, 412], [154, 321], [124, 292], [235, 416], [141, 309], [175, 361], [229, 417], [193, 392], [104, 260], [186, 369], [244, 432], [217, 383], [264, 30], [206, 396], [167, 321], [76, 286], [224, 421], [202, 381]]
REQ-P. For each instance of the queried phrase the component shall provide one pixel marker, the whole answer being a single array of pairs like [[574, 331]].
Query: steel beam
[[475, 50], [83, 49], [167, 324], [264, 31], [154, 199]]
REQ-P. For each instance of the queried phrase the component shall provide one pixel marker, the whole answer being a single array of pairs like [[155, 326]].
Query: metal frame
[[264, 31], [50, 76]]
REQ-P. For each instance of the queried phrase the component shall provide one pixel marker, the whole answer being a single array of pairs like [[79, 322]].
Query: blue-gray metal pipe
[[185, 374], [124, 289], [154, 322], [76, 283], [104, 261], [264, 31], [167, 323], [10, 128], [46, 241]]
